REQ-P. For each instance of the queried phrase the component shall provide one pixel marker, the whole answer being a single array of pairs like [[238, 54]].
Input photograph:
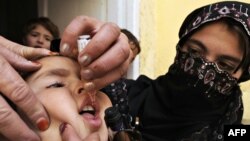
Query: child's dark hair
[[132, 38], [45, 22]]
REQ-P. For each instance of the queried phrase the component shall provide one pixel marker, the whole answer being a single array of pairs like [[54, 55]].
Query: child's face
[[217, 44], [39, 37], [57, 85]]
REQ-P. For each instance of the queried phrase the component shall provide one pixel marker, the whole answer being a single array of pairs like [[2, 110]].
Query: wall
[[148, 36], [62, 12], [159, 25]]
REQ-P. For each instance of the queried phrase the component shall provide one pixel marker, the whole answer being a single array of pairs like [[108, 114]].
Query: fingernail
[[65, 47], [89, 86], [87, 74], [85, 60], [54, 53], [62, 127], [42, 124]]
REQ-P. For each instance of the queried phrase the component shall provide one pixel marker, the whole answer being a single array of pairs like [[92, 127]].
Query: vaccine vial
[[82, 42]]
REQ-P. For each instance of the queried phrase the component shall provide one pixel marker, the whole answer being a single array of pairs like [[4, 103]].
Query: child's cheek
[[59, 104]]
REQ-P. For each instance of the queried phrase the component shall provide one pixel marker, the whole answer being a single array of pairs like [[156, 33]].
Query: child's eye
[[48, 39], [56, 85]]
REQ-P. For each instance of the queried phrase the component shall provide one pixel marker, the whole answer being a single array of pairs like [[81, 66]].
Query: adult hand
[[105, 58], [68, 134], [13, 87]]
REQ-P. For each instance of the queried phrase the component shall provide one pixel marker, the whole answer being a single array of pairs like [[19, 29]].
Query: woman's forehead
[[218, 37]]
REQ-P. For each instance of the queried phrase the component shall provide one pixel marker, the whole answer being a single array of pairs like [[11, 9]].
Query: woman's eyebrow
[[203, 47], [53, 72], [230, 58], [197, 43]]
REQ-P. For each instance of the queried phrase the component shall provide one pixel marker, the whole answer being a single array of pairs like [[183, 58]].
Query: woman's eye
[[191, 50], [226, 67], [195, 51], [56, 85]]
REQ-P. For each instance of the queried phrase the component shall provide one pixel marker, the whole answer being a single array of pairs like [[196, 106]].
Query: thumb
[[17, 61], [24, 51], [33, 53], [93, 137], [69, 134]]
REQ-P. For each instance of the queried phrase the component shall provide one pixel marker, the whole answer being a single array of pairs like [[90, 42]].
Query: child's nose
[[80, 89], [40, 39], [81, 92]]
